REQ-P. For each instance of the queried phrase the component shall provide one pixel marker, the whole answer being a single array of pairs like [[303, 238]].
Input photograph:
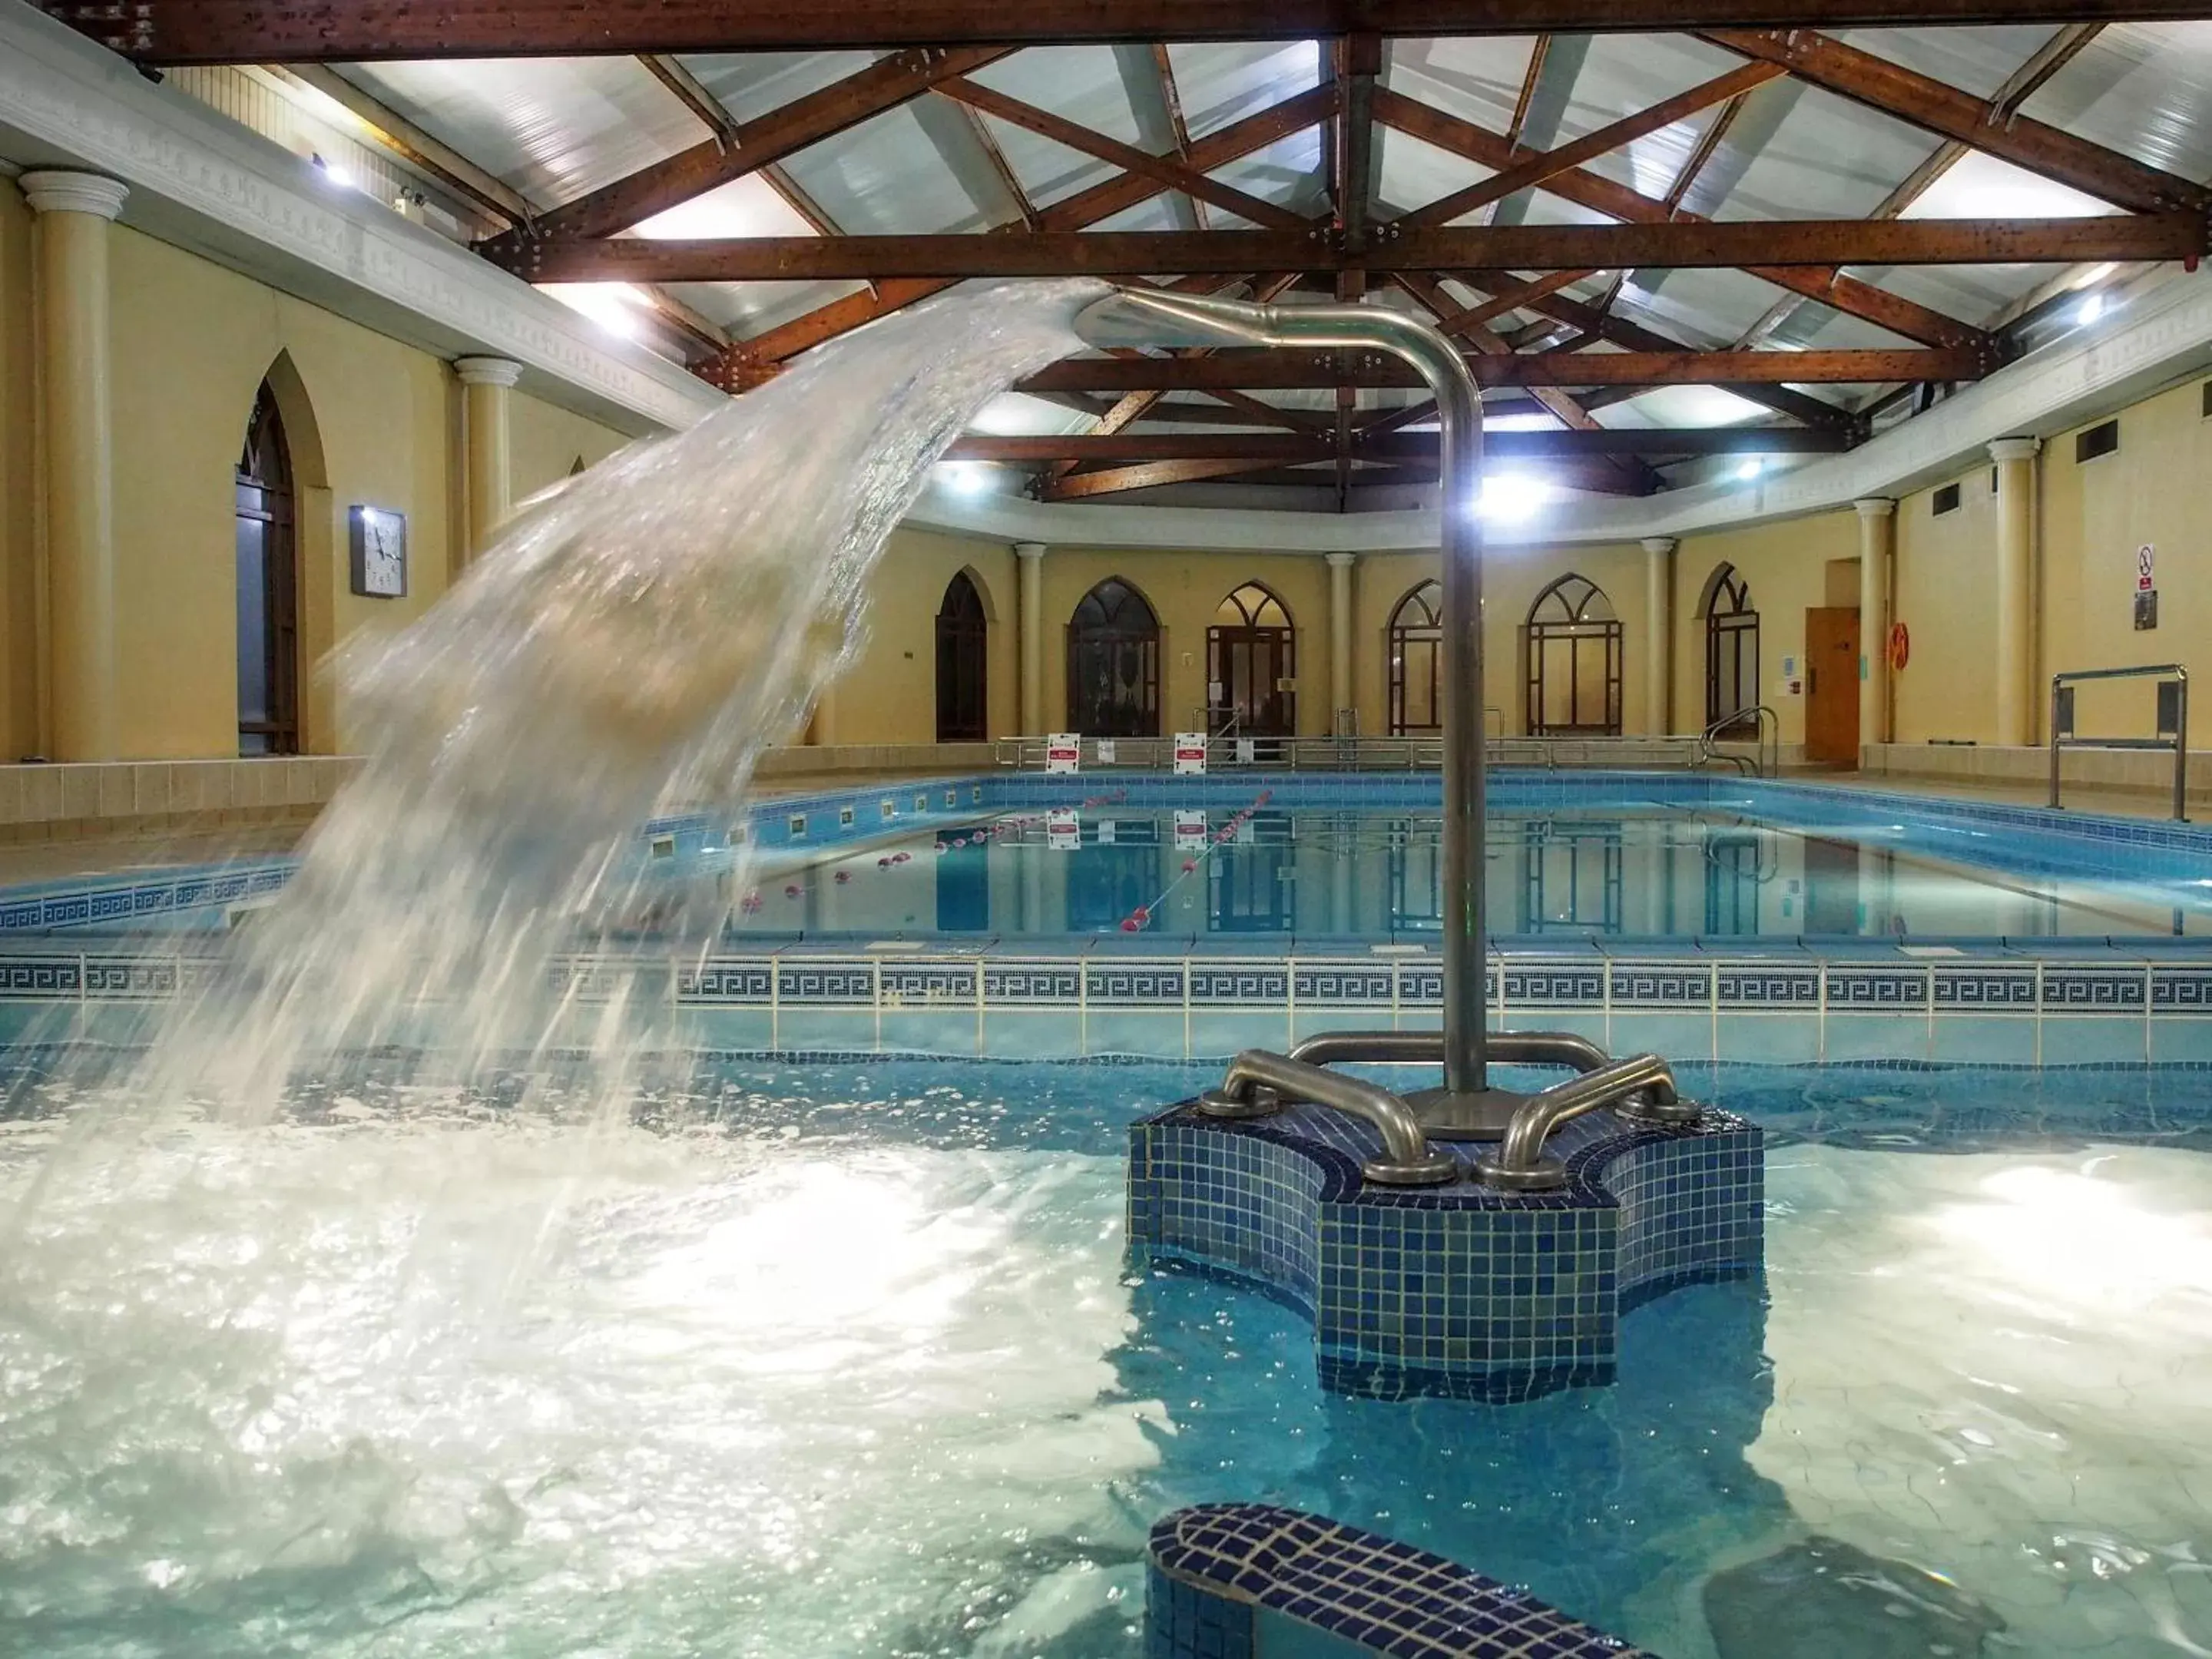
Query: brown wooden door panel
[[1832, 685]]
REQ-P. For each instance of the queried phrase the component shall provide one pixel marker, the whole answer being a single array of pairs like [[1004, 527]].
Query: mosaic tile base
[[1213, 1568], [1458, 1290]]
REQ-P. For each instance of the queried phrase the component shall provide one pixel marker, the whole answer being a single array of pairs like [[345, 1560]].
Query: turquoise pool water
[[1606, 870], [844, 1360]]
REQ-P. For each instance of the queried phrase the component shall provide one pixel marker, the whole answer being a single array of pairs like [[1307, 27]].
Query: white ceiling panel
[[553, 128]]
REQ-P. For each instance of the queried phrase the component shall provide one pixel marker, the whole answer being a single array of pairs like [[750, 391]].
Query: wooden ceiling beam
[[1530, 170], [1091, 449], [344, 31], [749, 146], [1171, 172], [1831, 287], [1822, 244], [758, 355], [1908, 96], [1283, 370]]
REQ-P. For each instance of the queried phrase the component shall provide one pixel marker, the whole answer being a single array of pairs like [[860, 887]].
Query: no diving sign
[[2146, 565]]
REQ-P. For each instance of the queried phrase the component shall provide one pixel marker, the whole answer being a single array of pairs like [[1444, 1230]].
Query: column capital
[[487, 371], [56, 191], [1341, 561], [1874, 506], [1029, 550], [1660, 544], [2014, 449]]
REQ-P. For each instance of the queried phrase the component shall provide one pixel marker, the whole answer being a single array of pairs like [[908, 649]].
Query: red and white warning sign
[[2146, 568], [1190, 830], [1190, 752], [1063, 753], [1063, 830]]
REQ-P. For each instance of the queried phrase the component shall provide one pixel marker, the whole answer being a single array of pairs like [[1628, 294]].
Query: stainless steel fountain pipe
[[1148, 317], [1406, 1160], [1641, 1086]]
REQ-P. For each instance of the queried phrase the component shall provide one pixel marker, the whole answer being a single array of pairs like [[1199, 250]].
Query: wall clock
[[377, 539]]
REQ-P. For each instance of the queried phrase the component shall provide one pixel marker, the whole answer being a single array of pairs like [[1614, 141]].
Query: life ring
[[1900, 646]]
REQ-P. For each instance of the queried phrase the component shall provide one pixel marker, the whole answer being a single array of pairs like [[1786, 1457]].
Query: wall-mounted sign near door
[[2146, 588]]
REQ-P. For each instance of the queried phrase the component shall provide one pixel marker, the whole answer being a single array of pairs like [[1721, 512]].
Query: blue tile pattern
[[1458, 1290], [1778, 1001], [1210, 1567]]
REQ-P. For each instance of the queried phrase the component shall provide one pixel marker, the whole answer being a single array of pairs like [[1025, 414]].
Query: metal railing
[[2173, 722], [1406, 754], [1639, 1089], [1766, 725]]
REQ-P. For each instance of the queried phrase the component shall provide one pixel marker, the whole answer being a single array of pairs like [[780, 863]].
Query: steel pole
[[1466, 1106]]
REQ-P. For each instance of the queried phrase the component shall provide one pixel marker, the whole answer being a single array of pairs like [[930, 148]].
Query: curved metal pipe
[[1406, 1160], [1417, 1048], [1131, 317], [1520, 1162]]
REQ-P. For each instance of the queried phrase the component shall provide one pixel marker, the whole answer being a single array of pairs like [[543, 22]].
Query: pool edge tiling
[[1456, 1291], [1218, 1575]]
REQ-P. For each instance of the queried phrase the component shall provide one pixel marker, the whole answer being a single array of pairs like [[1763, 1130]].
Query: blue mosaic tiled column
[[1456, 1291], [1245, 1581]]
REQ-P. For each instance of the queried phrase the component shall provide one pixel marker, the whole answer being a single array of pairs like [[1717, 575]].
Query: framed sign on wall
[[376, 539]]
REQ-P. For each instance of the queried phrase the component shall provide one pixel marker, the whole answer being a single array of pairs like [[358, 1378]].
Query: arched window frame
[[963, 662], [1415, 644], [1572, 615], [1251, 664], [266, 585], [1114, 637], [1731, 652]]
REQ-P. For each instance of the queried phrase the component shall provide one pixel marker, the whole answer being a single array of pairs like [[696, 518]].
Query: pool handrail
[[1640, 1087], [2178, 741], [1408, 1160], [1427, 1048], [1764, 721]]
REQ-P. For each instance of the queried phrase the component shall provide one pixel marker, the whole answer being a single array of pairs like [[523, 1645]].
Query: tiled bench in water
[[1456, 1290], [1250, 1581]]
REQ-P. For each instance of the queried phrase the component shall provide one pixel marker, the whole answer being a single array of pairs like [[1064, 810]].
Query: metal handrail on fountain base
[[1639, 1089], [1466, 1107]]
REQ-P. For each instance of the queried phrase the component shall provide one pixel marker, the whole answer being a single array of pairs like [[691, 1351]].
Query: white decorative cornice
[[1875, 506], [1660, 544], [488, 371], [1341, 561], [51, 191], [205, 184], [1029, 550], [2015, 449]]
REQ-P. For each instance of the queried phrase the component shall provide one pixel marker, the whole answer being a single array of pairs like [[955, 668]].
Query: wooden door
[[1832, 686]]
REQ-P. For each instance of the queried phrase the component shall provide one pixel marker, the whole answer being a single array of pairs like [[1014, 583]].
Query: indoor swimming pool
[[409, 1372], [1625, 869]]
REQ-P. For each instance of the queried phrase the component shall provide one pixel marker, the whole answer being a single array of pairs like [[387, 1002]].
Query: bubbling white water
[[631, 643]]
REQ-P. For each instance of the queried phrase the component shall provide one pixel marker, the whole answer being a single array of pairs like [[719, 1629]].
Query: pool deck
[[47, 861]]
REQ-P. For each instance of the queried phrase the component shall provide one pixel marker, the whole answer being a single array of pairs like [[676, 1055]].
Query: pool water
[[1612, 870], [843, 1360]]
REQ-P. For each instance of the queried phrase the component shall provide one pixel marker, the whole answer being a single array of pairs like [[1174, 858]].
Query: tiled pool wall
[[96, 943], [1255, 1581], [1456, 1290]]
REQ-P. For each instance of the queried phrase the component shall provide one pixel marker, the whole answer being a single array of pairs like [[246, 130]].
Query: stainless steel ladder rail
[[2177, 739], [1764, 721]]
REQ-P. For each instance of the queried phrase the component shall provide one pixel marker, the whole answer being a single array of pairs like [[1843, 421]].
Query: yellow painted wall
[[19, 734], [889, 693], [2156, 490], [544, 443], [1944, 592], [1786, 566], [367, 420]]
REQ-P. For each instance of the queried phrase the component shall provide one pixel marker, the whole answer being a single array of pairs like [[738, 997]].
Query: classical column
[[1877, 542], [78, 716], [2015, 459], [1659, 634], [488, 380], [1341, 691], [1029, 635]]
